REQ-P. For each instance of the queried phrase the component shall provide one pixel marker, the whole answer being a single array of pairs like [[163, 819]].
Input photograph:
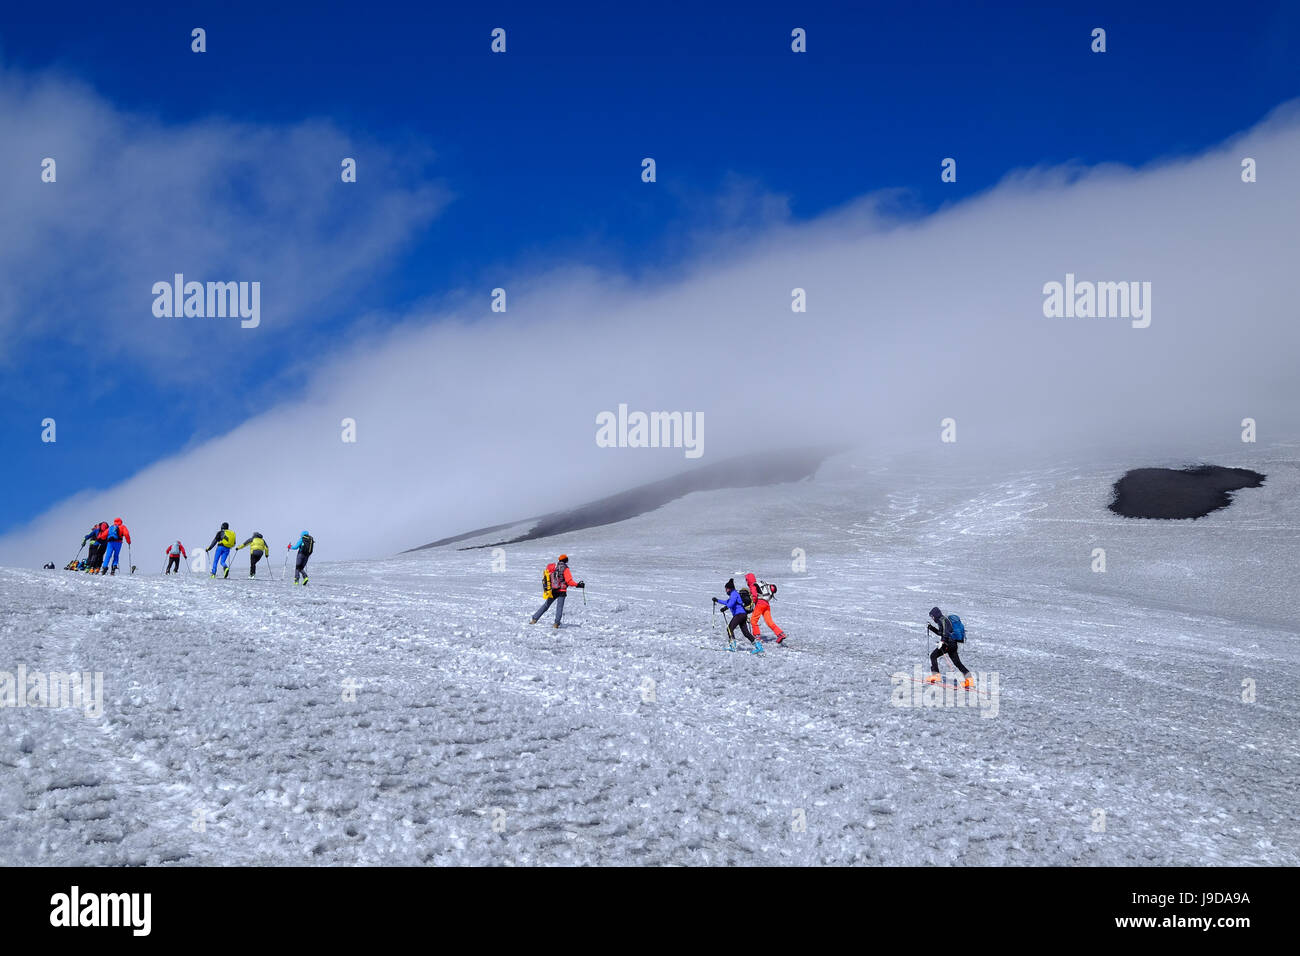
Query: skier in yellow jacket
[[223, 541], [260, 549]]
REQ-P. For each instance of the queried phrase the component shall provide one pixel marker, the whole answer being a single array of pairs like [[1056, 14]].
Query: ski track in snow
[[477, 738]]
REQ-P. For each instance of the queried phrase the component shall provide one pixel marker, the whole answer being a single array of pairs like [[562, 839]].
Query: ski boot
[[113, 573], [781, 638], [757, 648], [968, 682], [556, 625], [304, 580], [731, 644], [934, 679]]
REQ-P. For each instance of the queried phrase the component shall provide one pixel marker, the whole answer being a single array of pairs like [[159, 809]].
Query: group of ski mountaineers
[[741, 607], [106, 545], [105, 548], [752, 605]]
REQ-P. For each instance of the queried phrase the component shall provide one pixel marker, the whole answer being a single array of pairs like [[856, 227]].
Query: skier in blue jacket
[[305, 545], [739, 618], [942, 628]]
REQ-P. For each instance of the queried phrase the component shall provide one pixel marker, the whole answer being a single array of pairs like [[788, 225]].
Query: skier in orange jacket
[[761, 591], [116, 534], [558, 580]]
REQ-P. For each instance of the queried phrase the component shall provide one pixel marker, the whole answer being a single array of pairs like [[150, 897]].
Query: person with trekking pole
[[951, 632], [305, 545], [258, 550], [116, 535], [556, 581], [174, 554], [223, 541], [763, 593], [735, 603], [97, 537]]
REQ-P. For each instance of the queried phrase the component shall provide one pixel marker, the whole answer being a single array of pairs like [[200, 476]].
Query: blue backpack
[[958, 628]]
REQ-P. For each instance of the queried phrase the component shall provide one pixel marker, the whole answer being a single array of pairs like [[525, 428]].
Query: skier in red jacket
[[98, 545], [116, 534], [174, 554], [558, 581], [761, 591]]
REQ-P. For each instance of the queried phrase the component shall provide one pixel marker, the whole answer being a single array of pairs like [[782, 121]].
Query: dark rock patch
[[1180, 493], [744, 472]]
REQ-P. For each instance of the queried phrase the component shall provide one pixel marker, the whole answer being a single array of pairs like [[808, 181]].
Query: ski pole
[[130, 560]]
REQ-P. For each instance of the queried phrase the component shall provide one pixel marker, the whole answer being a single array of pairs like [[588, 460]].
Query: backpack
[[308, 544], [766, 591], [556, 577], [958, 628], [546, 583], [746, 600]]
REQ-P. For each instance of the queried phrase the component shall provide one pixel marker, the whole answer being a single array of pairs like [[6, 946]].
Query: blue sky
[[498, 164]]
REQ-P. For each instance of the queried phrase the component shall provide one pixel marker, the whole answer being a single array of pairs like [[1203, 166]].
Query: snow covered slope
[[1118, 732]]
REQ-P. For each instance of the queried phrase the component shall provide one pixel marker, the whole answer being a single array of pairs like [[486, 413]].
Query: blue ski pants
[[558, 601]]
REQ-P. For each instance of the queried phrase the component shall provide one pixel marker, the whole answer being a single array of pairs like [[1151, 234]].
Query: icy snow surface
[[1120, 736]]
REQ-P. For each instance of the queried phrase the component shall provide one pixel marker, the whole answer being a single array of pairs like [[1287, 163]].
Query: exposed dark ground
[[1180, 493], [747, 471]]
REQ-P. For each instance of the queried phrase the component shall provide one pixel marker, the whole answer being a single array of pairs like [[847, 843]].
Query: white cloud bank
[[467, 420], [137, 200]]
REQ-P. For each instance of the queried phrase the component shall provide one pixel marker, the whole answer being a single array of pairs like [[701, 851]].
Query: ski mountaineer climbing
[[556, 581], [116, 534], [305, 545], [174, 554], [260, 549], [951, 632], [735, 603], [763, 593], [223, 541], [98, 538]]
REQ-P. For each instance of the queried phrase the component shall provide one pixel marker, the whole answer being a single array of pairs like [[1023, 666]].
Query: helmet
[[257, 534], [224, 526], [306, 534], [564, 557], [117, 521], [935, 613]]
